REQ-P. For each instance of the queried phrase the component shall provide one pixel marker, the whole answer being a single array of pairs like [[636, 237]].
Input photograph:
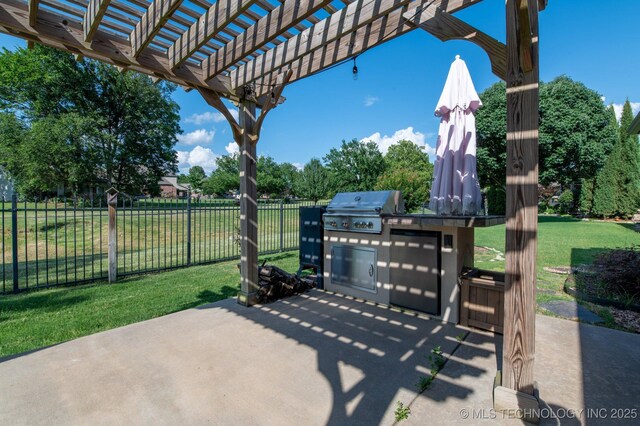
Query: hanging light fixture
[[273, 96], [355, 69]]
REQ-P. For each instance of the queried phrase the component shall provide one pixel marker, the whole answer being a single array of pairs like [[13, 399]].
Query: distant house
[[170, 188], [634, 128], [6, 185]]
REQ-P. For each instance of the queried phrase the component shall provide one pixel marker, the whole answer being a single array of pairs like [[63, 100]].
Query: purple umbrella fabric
[[455, 189]]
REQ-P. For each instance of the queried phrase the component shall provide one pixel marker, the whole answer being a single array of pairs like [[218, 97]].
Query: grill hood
[[370, 203]]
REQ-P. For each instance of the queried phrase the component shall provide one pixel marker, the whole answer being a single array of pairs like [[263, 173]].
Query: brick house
[[170, 188]]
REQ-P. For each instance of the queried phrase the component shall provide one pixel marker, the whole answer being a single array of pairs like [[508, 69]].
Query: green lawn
[[42, 318], [562, 241], [69, 245]]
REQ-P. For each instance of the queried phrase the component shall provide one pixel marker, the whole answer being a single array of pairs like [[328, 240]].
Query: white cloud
[[232, 148], [210, 116], [197, 137], [198, 156], [298, 166], [635, 107], [370, 100], [384, 142]]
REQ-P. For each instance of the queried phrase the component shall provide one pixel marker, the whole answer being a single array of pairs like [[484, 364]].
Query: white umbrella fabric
[[455, 189]]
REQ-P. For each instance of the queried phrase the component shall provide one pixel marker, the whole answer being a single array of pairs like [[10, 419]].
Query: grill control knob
[[370, 225], [345, 225]]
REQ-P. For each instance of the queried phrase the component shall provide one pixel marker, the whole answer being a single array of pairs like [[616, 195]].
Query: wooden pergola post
[[246, 133], [518, 388], [248, 205]]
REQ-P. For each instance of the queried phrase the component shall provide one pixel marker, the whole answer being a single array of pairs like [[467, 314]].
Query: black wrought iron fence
[[64, 242]]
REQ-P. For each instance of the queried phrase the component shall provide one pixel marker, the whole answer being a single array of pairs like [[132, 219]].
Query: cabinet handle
[[371, 270]]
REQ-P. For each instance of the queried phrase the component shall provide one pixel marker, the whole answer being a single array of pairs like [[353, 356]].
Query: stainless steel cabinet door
[[415, 270], [353, 266]]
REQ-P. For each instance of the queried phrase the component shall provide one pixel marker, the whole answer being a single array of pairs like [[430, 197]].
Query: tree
[[617, 189], [290, 176], [407, 169], [122, 124], [313, 182], [226, 176], [628, 166], [410, 182], [269, 180], [356, 166], [196, 177], [575, 137]]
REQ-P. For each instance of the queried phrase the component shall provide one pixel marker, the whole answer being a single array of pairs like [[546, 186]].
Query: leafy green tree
[[410, 182], [628, 166], [407, 168], [122, 124], [565, 201], [491, 131], [617, 189], [196, 177], [313, 183], [355, 166], [290, 176], [226, 176], [575, 137], [269, 179]]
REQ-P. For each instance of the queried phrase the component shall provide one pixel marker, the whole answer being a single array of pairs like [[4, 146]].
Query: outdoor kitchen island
[[375, 252]]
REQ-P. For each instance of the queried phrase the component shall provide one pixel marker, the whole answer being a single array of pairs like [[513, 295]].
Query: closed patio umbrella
[[455, 189]]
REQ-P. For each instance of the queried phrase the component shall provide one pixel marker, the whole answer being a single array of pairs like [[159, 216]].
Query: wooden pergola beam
[[446, 27], [379, 31], [55, 31], [33, 12], [220, 14], [343, 22], [270, 26], [92, 18], [151, 22]]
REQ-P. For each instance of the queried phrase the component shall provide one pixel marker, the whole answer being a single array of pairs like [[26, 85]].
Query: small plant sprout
[[423, 383], [402, 412], [460, 337], [437, 360]]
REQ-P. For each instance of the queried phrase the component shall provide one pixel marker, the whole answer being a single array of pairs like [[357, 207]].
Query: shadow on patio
[[370, 356]]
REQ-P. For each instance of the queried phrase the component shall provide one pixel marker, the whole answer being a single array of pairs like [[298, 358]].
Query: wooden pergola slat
[[262, 32], [219, 16], [95, 11], [51, 30], [151, 22], [378, 31], [33, 12], [337, 25]]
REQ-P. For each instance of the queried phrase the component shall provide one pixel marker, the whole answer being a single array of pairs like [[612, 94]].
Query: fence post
[[14, 240], [112, 203], [188, 229], [281, 226]]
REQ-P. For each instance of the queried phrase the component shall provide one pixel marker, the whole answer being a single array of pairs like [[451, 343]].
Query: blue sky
[[400, 82]]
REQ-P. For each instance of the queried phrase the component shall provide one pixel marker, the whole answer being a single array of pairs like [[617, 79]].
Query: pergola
[[247, 51]]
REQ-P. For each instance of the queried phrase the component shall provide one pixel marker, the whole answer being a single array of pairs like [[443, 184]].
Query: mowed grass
[[562, 241], [42, 318], [56, 247]]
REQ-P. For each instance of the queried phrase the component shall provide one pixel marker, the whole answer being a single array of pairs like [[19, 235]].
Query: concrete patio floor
[[313, 359]]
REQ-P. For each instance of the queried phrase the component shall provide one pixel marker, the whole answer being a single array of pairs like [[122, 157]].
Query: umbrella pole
[[518, 391]]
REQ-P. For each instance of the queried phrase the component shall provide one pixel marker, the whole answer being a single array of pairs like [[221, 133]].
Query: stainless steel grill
[[362, 211]]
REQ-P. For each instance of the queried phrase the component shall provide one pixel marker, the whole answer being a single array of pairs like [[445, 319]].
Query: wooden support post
[[112, 256], [246, 134], [248, 205], [522, 214]]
